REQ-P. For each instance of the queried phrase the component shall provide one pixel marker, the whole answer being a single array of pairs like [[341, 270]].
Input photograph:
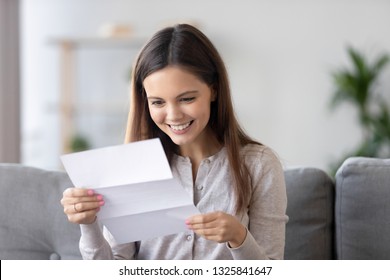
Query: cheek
[[157, 116]]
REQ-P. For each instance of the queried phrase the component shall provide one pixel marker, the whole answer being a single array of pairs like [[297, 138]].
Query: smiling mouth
[[181, 126]]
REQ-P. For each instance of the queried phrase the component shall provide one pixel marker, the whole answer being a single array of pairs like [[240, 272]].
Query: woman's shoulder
[[258, 152], [255, 150]]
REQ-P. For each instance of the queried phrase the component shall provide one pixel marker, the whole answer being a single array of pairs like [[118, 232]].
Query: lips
[[180, 127]]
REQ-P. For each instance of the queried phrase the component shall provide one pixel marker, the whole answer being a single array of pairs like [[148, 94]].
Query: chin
[[180, 141]]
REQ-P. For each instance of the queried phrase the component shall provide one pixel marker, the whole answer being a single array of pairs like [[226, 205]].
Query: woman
[[181, 95]]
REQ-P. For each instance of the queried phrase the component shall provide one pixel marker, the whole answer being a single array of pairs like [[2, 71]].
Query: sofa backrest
[[33, 224], [310, 207], [362, 210]]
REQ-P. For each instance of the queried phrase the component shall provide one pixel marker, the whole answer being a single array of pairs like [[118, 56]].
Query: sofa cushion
[[363, 209], [310, 204], [33, 224]]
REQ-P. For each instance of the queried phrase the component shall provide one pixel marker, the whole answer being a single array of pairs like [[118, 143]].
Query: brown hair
[[185, 46]]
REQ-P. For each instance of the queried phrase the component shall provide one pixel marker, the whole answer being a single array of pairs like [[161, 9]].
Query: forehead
[[172, 79]]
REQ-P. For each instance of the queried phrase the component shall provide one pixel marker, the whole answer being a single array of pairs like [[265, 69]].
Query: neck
[[206, 146]]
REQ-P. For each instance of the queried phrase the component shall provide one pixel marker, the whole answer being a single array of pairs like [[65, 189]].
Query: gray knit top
[[265, 217]]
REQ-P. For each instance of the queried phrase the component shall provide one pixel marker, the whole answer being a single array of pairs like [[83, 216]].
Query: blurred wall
[[9, 82], [279, 55]]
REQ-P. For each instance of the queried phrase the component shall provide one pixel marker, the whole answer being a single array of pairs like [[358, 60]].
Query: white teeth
[[180, 127]]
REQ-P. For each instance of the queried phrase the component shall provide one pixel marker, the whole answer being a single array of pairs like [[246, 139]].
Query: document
[[142, 199]]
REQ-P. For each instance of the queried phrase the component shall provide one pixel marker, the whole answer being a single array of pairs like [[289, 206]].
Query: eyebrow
[[180, 95]]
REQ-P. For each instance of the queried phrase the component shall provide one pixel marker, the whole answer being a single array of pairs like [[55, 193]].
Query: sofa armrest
[[33, 224], [362, 211], [310, 207]]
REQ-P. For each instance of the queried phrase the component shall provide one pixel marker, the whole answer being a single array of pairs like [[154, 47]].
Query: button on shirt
[[265, 217]]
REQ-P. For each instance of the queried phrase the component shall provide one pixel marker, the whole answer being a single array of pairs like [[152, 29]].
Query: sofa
[[347, 217]]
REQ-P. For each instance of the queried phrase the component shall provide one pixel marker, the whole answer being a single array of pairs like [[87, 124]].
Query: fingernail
[[90, 192], [101, 203], [99, 197], [187, 222]]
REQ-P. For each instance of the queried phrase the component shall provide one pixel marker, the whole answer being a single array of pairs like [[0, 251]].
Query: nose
[[174, 113]]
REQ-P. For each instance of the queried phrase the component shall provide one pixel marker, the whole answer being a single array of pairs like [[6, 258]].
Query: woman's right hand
[[81, 205]]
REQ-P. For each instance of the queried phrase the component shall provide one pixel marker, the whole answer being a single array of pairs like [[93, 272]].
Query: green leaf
[[355, 85]]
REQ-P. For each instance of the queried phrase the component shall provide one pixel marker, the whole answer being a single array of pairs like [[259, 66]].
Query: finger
[[206, 232], [94, 198], [78, 192], [209, 225], [211, 234], [86, 217], [82, 207], [202, 218], [66, 199], [87, 206]]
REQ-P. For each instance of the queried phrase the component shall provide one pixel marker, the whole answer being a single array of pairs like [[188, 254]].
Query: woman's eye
[[157, 103], [187, 99]]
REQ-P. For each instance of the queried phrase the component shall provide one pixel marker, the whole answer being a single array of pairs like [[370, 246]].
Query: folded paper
[[142, 199]]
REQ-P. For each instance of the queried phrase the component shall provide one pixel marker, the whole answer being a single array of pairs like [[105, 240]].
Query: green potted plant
[[79, 143], [358, 87]]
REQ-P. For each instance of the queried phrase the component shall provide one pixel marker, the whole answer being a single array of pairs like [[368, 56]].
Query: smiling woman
[[181, 95], [179, 104]]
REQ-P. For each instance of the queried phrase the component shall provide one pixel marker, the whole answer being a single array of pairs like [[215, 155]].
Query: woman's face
[[179, 104]]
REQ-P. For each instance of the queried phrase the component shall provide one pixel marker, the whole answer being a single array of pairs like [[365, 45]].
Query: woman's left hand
[[219, 227]]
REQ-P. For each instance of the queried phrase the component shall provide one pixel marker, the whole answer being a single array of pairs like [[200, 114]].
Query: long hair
[[185, 46]]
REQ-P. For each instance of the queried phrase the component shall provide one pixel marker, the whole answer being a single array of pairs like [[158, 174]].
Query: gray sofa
[[345, 218]]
